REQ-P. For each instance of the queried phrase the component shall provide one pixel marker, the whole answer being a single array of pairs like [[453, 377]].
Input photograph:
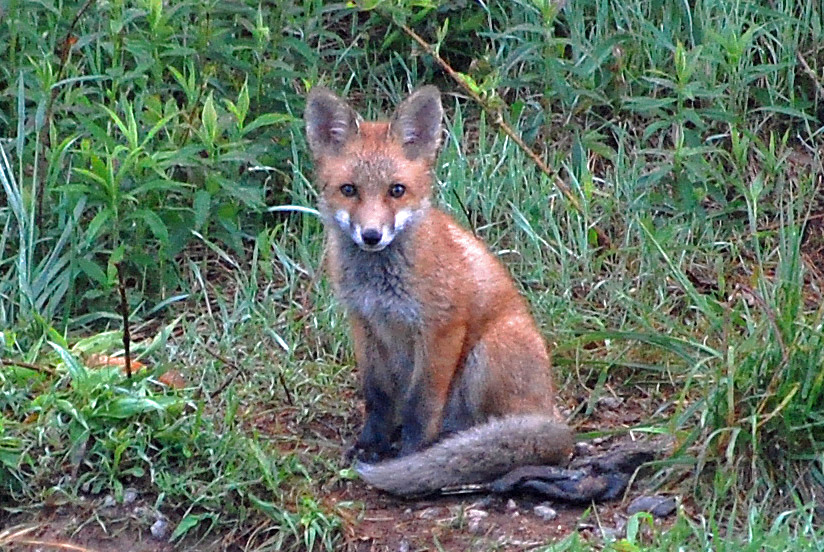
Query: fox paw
[[367, 455]]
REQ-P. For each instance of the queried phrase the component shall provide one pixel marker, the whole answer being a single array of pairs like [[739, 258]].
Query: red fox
[[456, 377]]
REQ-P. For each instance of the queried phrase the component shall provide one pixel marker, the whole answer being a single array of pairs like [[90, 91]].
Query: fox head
[[374, 178]]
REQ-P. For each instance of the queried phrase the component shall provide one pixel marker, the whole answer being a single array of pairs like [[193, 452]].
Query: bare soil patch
[[470, 522]]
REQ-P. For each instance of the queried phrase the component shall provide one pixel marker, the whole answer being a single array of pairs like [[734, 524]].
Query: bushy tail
[[476, 455]]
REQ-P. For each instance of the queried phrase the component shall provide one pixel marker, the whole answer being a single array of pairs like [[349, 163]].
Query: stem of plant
[[124, 310], [45, 141]]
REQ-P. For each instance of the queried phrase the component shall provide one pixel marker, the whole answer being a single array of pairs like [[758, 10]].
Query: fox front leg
[[381, 426], [436, 364]]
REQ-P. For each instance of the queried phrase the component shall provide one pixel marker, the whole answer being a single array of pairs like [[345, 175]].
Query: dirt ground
[[476, 523], [381, 523]]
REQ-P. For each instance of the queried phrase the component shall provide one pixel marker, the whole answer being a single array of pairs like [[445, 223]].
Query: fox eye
[[348, 190], [397, 190]]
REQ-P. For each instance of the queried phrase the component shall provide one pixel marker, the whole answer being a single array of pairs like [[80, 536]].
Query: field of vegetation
[[155, 194]]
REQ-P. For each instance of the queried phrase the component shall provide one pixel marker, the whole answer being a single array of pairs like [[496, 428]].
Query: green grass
[[170, 143], [643, 536]]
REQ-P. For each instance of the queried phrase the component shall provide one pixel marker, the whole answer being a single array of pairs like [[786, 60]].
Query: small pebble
[[583, 448], [109, 501], [610, 402], [430, 513], [659, 506], [159, 529], [129, 496], [545, 512], [476, 514], [475, 526], [403, 546], [511, 505]]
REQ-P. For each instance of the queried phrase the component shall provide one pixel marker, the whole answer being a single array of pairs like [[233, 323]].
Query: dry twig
[[36, 367], [811, 74]]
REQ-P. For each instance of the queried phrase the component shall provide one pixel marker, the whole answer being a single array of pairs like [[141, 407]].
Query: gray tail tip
[[363, 469]]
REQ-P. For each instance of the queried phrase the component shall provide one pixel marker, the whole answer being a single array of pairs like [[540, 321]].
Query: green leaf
[[189, 522], [249, 196], [162, 184], [92, 176], [592, 237], [158, 127], [11, 451], [99, 342], [100, 136], [127, 407], [241, 110], [271, 509], [155, 224], [624, 545], [93, 271], [201, 206], [97, 223], [118, 254], [124, 128], [209, 119], [77, 371], [268, 119]]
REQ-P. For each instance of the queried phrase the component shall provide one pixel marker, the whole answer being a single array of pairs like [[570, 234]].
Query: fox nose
[[371, 236]]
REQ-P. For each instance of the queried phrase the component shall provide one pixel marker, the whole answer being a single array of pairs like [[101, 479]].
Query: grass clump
[[77, 432]]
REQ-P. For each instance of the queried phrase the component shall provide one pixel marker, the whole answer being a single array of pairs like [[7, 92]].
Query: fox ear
[[416, 123], [330, 122]]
